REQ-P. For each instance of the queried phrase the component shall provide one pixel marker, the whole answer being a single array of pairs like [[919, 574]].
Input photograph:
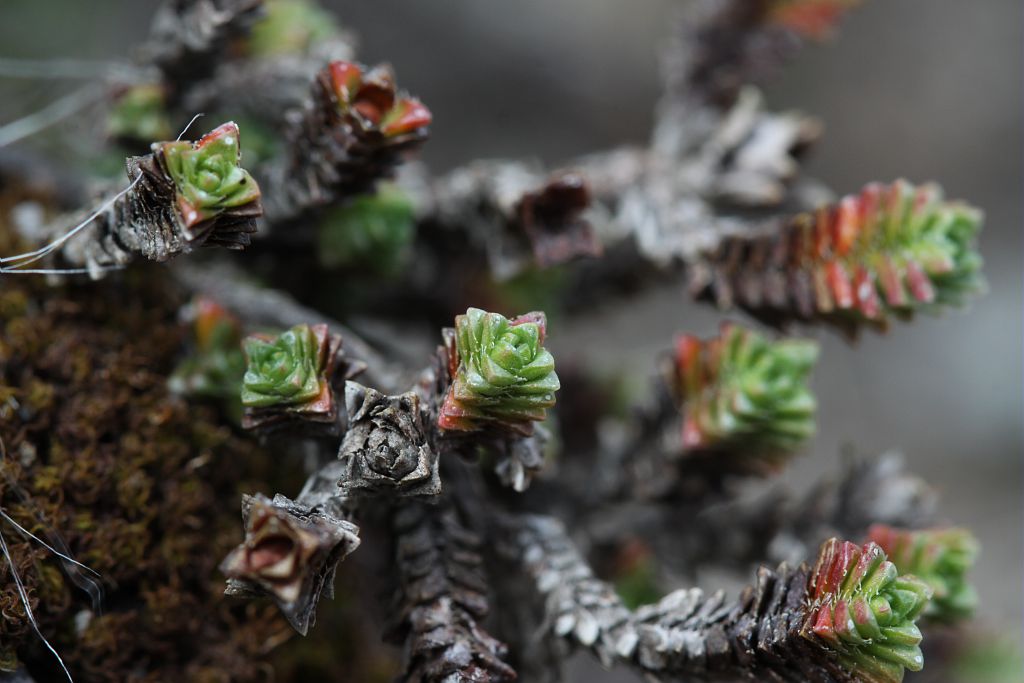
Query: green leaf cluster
[[282, 371]]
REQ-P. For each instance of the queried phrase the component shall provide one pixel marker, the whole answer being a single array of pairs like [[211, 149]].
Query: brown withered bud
[[289, 553], [387, 445], [552, 218]]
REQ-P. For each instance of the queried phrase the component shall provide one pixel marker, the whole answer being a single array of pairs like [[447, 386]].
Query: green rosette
[[863, 609], [742, 391], [939, 557], [283, 371], [505, 376], [207, 175]]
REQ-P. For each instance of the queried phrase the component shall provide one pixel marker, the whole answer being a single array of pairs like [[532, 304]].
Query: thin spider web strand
[[80, 579], [57, 271], [33, 256], [28, 609], [11, 67], [3, 513], [52, 113]]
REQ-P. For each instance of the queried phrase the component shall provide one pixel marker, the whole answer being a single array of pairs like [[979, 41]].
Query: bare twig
[[442, 599]]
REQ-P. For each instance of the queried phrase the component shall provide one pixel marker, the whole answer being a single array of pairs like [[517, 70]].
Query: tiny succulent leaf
[[407, 115], [346, 78], [742, 391], [207, 176], [939, 557], [861, 607], [504, 376], [287, 370]]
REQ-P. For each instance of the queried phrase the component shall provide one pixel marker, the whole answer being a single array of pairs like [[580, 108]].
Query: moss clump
[[141, 485]]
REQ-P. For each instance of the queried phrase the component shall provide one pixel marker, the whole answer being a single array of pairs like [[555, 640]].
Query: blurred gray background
[[922, 90], [914, 88]]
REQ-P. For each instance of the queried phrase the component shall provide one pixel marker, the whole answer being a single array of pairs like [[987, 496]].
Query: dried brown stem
[[442, 600]]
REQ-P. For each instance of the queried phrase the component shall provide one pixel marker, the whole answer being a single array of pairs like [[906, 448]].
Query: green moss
[[13, 303]]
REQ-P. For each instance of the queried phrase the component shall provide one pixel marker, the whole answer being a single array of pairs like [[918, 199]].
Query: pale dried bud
[[387, 445]]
